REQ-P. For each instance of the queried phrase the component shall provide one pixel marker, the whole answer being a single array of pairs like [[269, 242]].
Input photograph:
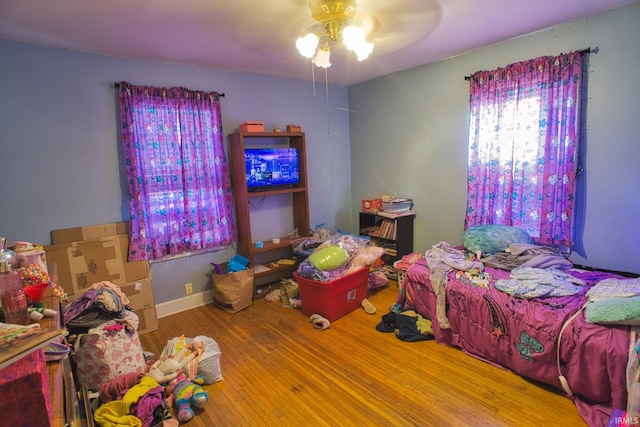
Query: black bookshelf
[[395, 234]]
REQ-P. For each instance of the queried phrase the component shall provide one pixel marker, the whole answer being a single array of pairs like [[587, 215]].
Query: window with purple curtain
[[180, 196], [523, 147]]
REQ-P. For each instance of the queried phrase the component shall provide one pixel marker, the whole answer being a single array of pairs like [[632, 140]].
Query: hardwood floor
[[281, 371]]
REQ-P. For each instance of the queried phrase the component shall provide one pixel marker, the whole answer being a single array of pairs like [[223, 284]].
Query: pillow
[[492, 238], [329, 258], [614, 311]]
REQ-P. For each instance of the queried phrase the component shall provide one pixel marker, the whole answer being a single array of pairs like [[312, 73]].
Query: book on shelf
[[388, 230]]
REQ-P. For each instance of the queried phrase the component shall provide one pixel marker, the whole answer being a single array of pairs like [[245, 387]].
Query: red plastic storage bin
[[333, 299]]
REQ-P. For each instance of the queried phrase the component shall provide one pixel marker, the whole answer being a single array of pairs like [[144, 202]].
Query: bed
[[546, 339]]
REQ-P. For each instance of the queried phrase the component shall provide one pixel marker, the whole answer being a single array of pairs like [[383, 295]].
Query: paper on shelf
[[260, 269]]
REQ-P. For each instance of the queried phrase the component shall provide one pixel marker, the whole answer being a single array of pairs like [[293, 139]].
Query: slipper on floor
[[319, 322], [368, 307]]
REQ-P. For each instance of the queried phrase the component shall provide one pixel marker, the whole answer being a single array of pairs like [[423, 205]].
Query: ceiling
[[252, 36]]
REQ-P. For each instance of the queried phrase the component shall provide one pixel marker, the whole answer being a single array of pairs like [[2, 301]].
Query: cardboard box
[[252, 127], [92, 232], [335, 298], [142, 301], [294, 128], [81, 264], [371, 205]]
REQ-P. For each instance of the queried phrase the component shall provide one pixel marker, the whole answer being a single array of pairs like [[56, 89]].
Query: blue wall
[[409, 135], [61, 160]]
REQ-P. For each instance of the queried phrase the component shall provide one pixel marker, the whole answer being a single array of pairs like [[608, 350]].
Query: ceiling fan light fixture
[[363, 50], [307, 45], [335, 20], [352, 36], [322, 59]]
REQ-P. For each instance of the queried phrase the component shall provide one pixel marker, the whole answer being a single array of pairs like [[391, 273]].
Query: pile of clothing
[[135, 388]]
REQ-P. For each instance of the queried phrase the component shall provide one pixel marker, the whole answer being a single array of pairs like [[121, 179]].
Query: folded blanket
[[528, 283], [616, 311], [614, 288], [614, 301]]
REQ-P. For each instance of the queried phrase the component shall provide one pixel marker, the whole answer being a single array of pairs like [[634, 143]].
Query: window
[[178, 179], [523, 147]]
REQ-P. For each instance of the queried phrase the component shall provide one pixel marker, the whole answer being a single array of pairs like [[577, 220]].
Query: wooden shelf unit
[[270, 252]]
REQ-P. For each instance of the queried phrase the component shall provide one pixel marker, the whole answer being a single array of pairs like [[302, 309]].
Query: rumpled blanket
[[441, 259], [530, 282], [527, 255]]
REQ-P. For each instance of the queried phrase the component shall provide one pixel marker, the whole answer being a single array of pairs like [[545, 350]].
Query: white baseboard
[[184, 304]]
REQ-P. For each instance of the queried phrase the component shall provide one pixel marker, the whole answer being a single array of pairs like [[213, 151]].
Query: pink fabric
[[523, 140], [24, 392], [521, 335], [180, 195], [111, 390]]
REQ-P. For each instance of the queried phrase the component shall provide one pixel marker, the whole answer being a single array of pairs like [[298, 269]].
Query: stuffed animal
[[165, 370], [186, 394]]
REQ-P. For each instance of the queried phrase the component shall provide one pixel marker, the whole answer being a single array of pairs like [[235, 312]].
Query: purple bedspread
[[522, 335]]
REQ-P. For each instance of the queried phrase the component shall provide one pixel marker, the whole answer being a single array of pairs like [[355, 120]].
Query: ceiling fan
[[362, 24]]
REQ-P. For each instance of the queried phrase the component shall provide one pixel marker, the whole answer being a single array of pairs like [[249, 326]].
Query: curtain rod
[[116, 84], [587, 50]]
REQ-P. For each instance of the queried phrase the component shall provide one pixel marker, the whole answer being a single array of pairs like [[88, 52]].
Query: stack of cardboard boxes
[[86, 255]]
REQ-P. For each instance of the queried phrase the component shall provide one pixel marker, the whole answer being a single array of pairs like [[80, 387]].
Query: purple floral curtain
[[523, 147], [179, 185]]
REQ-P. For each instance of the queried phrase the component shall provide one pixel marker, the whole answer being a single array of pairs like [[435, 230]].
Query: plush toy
[[186, 394], [164, 370]]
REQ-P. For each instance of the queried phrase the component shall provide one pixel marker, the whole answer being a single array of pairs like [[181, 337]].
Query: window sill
[[188, 254]]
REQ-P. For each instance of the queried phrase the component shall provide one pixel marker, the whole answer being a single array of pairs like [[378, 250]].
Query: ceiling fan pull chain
[[326, 89], [313, 78]]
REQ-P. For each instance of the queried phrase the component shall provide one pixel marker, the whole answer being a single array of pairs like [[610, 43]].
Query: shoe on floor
[[319, 322], [368, 307]]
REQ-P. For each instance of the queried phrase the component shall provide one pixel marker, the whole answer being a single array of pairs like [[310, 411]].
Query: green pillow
[[329, 258]]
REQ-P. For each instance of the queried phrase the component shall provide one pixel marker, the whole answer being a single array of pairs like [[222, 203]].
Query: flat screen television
[[271, 168]]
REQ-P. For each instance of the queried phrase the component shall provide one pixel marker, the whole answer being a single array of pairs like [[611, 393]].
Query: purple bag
[[377, 280]]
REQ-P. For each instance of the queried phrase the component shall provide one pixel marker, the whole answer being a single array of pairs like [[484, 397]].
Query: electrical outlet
[[188, 288]]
